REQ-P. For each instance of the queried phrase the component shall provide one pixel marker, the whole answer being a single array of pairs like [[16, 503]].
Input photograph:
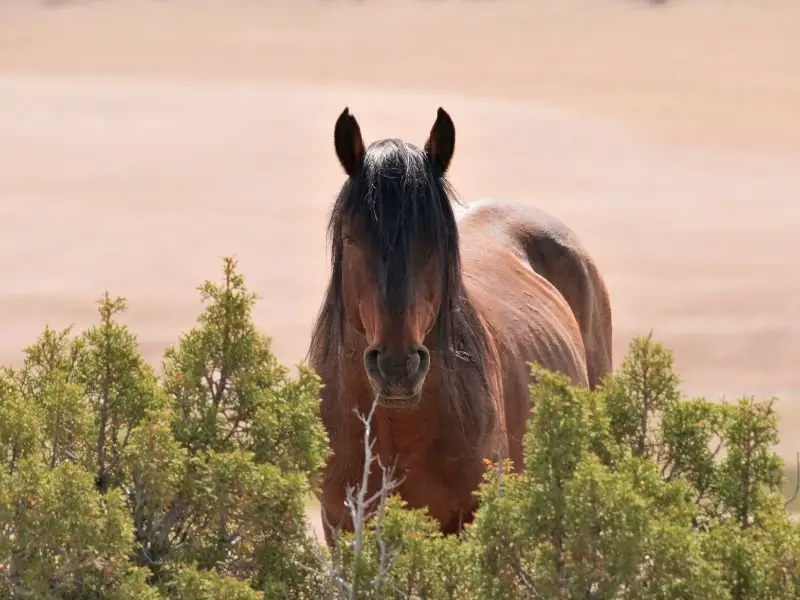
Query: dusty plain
[[140, 141]]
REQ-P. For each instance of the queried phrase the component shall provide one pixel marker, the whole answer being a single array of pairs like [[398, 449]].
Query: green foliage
[[403, 556], [120, 483], [59, 538], [578, 527], [189, 583]]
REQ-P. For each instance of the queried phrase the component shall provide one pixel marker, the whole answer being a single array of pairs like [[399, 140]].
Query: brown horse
[[436, 319]]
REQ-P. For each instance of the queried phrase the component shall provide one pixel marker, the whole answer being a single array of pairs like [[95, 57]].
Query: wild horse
[[436, 319]]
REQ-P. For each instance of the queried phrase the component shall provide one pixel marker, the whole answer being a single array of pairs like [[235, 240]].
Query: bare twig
[[385, 561], [361, 505], [356, 499]]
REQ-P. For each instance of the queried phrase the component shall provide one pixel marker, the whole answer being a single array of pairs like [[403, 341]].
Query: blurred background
[[142, 140]]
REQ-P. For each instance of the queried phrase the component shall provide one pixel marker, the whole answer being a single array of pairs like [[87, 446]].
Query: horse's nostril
[[371, 361]]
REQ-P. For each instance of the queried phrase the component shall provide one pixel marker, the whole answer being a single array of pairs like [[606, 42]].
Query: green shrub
[[121, 483], [116, 482]]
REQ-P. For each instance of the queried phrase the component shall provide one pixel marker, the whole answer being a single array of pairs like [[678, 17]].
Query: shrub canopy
[[118, 482]]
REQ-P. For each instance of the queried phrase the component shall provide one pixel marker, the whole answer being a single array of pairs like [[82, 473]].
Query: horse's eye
[[349, 240]]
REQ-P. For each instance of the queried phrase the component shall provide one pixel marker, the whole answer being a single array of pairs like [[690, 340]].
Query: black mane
[[402, 206]]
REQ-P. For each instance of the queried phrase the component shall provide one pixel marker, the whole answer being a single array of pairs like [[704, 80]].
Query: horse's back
[[548, 247]]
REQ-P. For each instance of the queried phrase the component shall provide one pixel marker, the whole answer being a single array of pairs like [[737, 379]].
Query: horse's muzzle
[[397, 378]]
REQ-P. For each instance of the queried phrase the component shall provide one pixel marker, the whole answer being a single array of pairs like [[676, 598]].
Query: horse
[[430, 321]]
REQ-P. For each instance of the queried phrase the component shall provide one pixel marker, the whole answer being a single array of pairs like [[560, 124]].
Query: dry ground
[[142, 140]]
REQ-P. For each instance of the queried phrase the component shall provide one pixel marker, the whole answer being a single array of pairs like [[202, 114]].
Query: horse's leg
[[333, 512], [456, 523], [332, 525]]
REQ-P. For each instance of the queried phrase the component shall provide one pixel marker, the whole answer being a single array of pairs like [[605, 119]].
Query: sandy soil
[[140, 141]]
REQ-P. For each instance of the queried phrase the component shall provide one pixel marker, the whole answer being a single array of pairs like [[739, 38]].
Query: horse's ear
[[441, 142], [348, 142]]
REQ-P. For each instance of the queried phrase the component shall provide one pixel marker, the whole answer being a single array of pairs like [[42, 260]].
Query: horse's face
[[394, 272], [396, 359]]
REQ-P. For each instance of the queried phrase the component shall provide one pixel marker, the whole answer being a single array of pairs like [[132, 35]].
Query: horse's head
[[395, 252]]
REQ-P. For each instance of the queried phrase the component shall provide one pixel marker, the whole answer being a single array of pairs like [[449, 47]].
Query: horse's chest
[[435, 467], [432, 474], [443, 487]]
